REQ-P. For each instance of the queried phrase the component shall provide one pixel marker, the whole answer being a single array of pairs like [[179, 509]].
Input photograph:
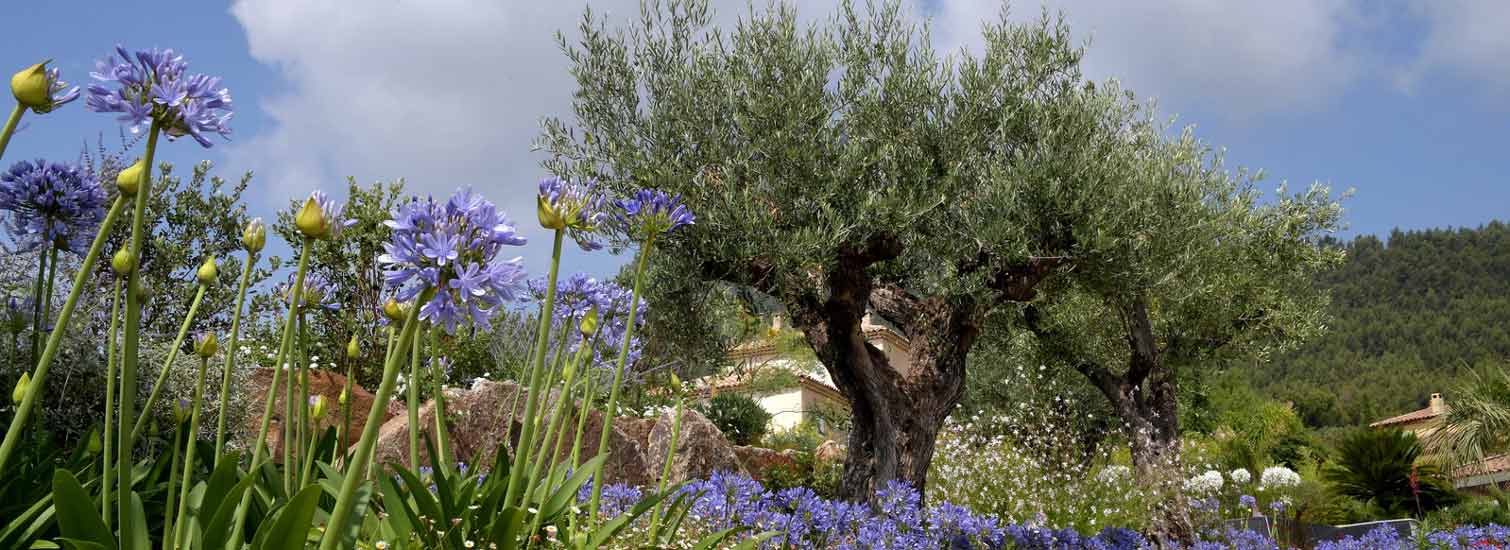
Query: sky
[[1407, 103]]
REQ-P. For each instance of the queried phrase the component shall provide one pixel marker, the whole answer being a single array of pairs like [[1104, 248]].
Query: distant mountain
[[1409, 317]]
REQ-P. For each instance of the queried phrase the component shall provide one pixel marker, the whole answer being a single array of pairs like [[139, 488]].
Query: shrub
[[740, 418], [1380, 467]]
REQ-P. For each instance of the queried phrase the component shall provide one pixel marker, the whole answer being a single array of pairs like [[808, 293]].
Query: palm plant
[[1383, 468], [1478, 424]]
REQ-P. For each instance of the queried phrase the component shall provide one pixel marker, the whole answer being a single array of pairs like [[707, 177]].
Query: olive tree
[[848, 168]]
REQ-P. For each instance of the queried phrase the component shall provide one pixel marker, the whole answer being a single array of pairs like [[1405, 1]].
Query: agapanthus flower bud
[[95, 445], [353, 349], [676, 383], [345, 396], [129, 180], [205, 345], [311, 220], [207, 272], [123, 262], [15, 314], [254, 237], [317, 406], [19, 393], [394, 310], [589, 324], [40, 89], [181, 410], [321, 217]]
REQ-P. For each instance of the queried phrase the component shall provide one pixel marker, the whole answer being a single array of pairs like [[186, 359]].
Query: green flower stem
[[438, 387], [36, 305], [106, 471], [413, 401], [183, 489], [10, 126], [589, 393], [676, 431], [548, 448], [305, 430], [288, 419], [39, 376], [168, 528], [618, 373], [258, 446], [230, 356], [131, 344], [515, 492], [569, 327], [344, 440], [162, 376], [46, 298], [345, 501]]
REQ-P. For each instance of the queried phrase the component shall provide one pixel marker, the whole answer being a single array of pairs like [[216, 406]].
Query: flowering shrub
[[1463, 538]]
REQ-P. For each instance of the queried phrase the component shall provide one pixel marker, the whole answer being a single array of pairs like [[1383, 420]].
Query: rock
[[636, 428], [760, 462], [701, 449], [829, 451], [479, 417], [321, 382]]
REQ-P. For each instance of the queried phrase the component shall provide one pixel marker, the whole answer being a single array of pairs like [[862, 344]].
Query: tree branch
[[1017, 282]]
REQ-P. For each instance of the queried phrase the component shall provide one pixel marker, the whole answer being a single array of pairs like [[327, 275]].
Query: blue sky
[[1406, 102]]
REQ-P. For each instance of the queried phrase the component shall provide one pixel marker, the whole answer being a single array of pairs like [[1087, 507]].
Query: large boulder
[[701, 449], [321, 382], [761, 462], [480, 416]]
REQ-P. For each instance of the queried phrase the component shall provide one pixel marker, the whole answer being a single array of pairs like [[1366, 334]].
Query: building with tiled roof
[[1421, 422], [808, 395], [1474, 477]]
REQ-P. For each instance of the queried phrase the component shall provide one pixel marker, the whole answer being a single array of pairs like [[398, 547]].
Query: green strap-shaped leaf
[[401, 519], [711, 541], [78, 517], [752, 542], [75, 544], [359, 513], [218, 529], [506, 528], [225, 476], [291, 531], [26, 526], [568, 491], [139, 520]]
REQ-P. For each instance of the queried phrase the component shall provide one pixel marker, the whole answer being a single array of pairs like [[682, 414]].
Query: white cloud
[[1469, 39], [446, 93], [1237, 59]]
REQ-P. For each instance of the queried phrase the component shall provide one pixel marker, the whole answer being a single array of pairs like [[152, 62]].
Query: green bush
[[740, 418]]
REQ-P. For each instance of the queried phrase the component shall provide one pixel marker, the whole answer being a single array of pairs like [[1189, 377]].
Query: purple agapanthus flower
[[650, 212], [318, 293], [51, 203], [576, 207], [452, 247], [150, 86]]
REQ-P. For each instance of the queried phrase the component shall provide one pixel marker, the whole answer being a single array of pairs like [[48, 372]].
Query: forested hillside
[[1409, 317]]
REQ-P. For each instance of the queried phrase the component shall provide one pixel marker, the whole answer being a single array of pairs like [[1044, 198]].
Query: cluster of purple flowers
[[578, 208], [579, 293], [52, 204], [58, 92], [900, 520], [150, 86], [452, 247], [650, 212], [318, 292], [1462, 538]]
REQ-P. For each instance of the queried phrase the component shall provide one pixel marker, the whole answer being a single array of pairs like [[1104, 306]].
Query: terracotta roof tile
[[1415, 416]]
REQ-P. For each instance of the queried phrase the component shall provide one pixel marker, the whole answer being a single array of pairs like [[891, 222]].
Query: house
[[791, 389], [1421, 422], [1478, 476]]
